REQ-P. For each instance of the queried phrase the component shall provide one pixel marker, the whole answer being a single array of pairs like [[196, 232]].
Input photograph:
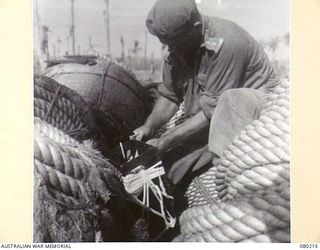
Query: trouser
[[235, 109]]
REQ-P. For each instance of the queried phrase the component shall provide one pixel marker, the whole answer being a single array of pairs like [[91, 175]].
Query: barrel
[[118, 100]]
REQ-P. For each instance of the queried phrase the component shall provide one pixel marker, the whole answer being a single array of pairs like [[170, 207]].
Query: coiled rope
[[79, 187], [238, 220], [79, 194], [249, 189], [52, 132], [201, 187], [72, 172], [259, 156], [63, 108]]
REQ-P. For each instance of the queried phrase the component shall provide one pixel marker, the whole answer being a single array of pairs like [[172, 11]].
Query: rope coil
[[63, 108], [67, 168], [195, 196], [237, 220], [263, 144], [250, 185]]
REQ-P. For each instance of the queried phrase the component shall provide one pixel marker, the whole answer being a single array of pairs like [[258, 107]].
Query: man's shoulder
[[213, 44]]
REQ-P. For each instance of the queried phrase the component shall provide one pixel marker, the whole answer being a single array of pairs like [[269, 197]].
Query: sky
[[262, 18]]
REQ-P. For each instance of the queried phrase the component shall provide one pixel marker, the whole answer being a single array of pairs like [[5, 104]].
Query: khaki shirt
[[228, 58]]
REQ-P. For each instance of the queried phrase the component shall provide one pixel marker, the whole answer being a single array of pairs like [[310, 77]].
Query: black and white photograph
[[161, 121]]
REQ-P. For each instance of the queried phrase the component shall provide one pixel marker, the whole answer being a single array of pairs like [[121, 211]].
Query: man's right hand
[[162, 111], [142, 133]]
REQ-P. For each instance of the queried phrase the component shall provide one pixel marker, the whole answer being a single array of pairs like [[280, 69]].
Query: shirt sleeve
[[226, 70], [169, 87]]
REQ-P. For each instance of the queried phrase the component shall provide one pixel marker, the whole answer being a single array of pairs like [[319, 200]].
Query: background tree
[[273, 46]]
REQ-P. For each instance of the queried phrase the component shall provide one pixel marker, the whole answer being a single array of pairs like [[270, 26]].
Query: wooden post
[[145, 48], [54, 51], [129, 59], [45, 42], [107, 23], [38, 52], [67, 47], [58, 46], [122, 48], [72, 29]]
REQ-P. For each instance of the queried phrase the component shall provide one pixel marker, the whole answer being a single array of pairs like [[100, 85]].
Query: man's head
[[177, 23]]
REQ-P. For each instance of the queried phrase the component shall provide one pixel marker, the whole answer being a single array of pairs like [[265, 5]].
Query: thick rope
[[73, 170], [52, 132], [195, 195], [259, 155], [282, 235], [63, 108], [80, 192], [53, 223], [52, 102], [261, 150], [64, 105], [252, 183], [238, 220], [260, 177]]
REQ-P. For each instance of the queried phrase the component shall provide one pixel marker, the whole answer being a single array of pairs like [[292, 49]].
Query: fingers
[[133, 137], [137, 135]]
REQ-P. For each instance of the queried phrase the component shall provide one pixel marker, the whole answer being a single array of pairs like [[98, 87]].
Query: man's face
[[186, 43]]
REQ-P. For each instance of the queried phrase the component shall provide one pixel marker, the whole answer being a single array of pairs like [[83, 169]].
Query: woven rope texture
[[62, 108], [249, 189]]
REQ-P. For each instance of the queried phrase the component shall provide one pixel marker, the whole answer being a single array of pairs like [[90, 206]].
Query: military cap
[[170, 18]]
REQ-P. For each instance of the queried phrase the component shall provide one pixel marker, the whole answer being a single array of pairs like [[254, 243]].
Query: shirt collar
[[204, 31]]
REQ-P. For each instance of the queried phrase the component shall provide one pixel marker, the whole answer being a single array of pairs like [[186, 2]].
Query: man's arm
[[179, 134], [162, 111]]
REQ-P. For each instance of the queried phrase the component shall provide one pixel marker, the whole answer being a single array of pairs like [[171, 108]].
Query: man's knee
[[234, 97]]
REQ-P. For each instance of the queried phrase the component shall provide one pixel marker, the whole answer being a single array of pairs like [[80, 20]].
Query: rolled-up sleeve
[[169, 87], [226, 70]]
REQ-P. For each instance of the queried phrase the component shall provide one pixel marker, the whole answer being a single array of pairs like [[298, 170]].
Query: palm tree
[[136, 49], [274, 45], [122, 47], [59, 42], [263, 44], [287, 38]]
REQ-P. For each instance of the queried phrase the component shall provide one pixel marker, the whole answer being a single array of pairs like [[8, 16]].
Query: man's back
[[258, 71]]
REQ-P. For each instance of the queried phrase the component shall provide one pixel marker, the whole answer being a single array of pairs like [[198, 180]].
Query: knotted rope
[[201, 187], [143, 182]]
